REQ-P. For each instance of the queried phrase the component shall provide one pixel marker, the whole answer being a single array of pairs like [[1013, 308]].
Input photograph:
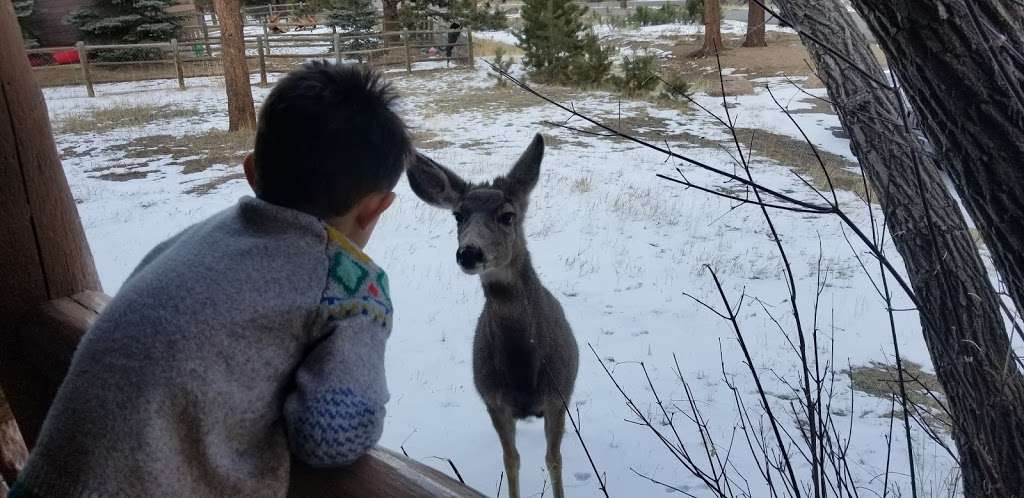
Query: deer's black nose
[[469, 257]]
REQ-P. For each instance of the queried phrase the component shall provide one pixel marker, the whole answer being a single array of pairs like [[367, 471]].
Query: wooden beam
[[43, 251]]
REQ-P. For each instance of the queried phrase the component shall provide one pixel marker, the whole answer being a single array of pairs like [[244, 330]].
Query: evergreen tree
[[123, 22], [482, 15], [558, 46], [23, 9], [353, 17]]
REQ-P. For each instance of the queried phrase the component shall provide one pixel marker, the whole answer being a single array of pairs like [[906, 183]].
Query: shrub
[[593, 66], [639, 75], [503, 64], [675, 88], [666, 14], [485, 17]]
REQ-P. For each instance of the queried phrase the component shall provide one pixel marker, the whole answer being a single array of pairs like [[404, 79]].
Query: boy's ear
[[435, 184], [526, 172], [250, 171], [371, 207]]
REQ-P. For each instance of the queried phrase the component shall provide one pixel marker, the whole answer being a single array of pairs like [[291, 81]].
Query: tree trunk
[[960, 316], [13, 453], [712, 30], [241, 112], [961, 63], [389, 9], [755, 26]]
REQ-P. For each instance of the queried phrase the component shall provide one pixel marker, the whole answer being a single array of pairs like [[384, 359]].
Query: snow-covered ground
[[618, 246]]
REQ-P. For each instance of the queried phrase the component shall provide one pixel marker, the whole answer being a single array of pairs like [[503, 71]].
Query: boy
[[257, 331]]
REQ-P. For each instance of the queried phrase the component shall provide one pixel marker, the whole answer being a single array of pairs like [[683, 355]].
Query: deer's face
[[489, 216], [490, 229]]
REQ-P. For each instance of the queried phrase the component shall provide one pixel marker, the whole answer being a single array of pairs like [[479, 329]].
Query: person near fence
[[255, 336], [455, 30]]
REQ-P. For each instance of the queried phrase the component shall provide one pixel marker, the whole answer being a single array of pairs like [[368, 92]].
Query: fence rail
[[383, 49]]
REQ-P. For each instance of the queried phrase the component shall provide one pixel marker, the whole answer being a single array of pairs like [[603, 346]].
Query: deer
[[525, 356]]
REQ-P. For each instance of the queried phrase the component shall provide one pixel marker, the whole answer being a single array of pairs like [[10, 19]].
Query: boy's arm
[[336, 412]]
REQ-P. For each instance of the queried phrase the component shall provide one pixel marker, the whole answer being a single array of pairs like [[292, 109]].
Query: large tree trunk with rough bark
[[712, 29], [960, 315], [241, 112], [755, 26], [961, 63]]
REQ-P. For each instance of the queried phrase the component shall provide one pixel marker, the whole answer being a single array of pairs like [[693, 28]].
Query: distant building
[[48, 22]]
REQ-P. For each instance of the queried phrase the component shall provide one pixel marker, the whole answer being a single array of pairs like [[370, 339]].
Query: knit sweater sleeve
[[336, 411]]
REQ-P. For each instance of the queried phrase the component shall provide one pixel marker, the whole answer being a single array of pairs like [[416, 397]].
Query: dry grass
[[428, 140], [486, 48], [880, 380], [797, 154], [192, 153], [121, 116], [583, 184]]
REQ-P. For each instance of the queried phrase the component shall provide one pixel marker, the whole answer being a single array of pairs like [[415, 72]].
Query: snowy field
[[618, 246]]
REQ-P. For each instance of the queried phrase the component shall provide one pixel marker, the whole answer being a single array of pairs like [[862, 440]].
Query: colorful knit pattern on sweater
[[355, 285], [337, 426]]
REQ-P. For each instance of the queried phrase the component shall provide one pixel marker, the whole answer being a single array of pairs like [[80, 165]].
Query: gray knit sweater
[[258, 331]]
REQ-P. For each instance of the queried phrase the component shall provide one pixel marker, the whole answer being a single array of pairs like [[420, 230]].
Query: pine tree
[[124, 22], [23, 9], [353, 17], [558, 45]]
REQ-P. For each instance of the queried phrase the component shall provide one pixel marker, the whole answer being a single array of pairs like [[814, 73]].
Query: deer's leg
[[554, 428], [505, 426]]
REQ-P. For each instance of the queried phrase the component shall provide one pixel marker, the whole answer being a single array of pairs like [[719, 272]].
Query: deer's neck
[[513, 282]]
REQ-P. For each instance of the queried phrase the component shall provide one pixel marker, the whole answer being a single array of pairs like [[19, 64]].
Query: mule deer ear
[[526, 171], [435, 184]]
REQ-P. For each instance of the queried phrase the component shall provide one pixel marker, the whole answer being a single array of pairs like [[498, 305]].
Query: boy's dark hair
[[327, 137]]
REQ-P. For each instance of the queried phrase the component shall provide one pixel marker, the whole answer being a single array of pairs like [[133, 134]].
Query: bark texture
[[13, 453], [960, 317], [241, 112], [712, 29], [961, 63], [755, 26]]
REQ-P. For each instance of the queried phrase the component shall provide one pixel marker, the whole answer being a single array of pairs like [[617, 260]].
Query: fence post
[[205, 31], [83, 60], [177, 64], [469, 38], [263, 61], [408, 56], [266, 35], [337, 48]]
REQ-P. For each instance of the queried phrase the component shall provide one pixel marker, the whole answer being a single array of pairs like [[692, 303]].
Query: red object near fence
[[66, 57]]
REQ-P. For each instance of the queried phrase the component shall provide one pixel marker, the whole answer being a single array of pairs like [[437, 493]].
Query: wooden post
[[408, 56], [337, 48], [270, 7], [469, 40], [205, 30], [262, 59], [177, 64], [44, 254], [83, 60], [266, 36]]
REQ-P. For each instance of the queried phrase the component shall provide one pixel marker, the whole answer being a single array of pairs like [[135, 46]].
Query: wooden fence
[[385, 49]]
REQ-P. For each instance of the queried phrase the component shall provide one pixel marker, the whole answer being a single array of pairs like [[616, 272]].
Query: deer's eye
[[506, 218], [459, 217]]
